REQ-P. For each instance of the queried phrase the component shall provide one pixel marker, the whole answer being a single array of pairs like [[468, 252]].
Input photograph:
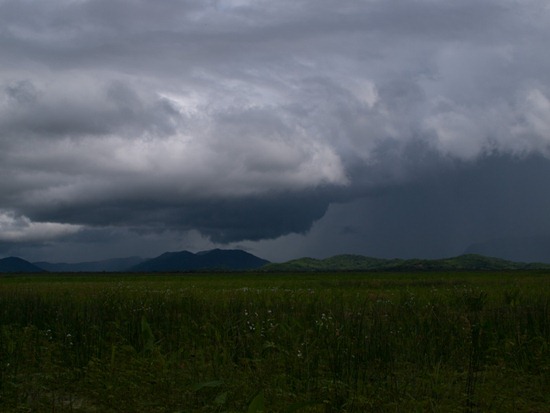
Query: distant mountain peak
[[17, 265], [215, 259], [238, 260], [208, 251]]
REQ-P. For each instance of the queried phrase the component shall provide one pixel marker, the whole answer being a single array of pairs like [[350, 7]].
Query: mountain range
[[216, 259], [112, 265], [466, 262], [18, 265], [238, 260], [181, 261]]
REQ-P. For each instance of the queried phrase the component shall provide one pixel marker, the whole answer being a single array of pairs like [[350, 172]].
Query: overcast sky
[[391, 128]]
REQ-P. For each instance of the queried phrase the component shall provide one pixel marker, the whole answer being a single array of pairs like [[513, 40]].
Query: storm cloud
[[379, 127]]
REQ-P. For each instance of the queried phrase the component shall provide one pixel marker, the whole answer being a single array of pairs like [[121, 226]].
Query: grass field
[[348, 342]]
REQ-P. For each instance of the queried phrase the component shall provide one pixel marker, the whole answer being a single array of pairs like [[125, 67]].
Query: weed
[[313, 342]]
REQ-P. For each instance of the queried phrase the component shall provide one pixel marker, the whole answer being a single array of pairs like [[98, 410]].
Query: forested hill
[[362, 263]]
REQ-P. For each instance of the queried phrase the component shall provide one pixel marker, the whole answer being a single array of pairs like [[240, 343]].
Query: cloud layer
[[246, 120]]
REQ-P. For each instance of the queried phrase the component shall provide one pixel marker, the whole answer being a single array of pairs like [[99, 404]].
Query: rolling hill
[[361, 263], [238, 260]]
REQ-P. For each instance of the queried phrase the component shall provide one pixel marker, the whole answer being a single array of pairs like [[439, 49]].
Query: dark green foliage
[[279, 343]]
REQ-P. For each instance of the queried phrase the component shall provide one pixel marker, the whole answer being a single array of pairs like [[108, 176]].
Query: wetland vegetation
[[251, 342]]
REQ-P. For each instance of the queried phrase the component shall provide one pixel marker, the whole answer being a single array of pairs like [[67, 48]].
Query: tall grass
[[317, 343]]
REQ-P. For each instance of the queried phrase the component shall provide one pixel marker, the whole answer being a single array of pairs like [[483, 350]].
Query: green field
[[338, 342]]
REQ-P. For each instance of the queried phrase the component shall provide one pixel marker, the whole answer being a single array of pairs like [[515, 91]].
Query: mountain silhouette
[[238, 260], [217, 259], [466, 262], [18, 265], [112, 265]]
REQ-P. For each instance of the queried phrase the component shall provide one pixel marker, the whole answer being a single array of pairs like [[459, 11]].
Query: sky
[[288, 128]]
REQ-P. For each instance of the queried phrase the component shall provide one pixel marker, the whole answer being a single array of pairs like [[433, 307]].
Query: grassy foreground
[[423, 342]]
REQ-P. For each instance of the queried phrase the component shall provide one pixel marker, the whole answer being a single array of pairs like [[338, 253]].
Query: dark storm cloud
[[248, 120], [222, 220], [111, 108], [444, 213], [497, 206]]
